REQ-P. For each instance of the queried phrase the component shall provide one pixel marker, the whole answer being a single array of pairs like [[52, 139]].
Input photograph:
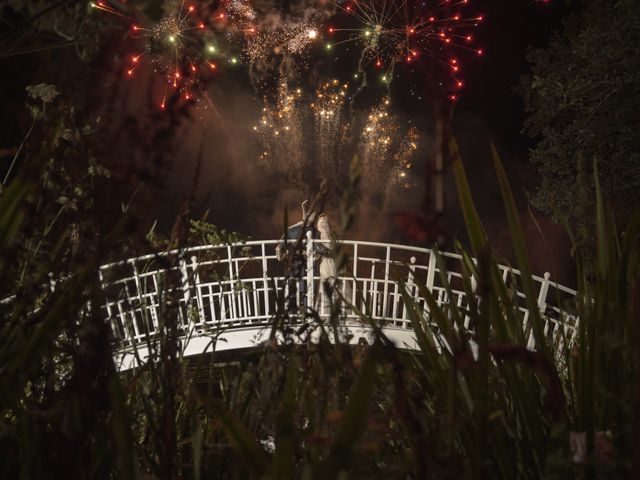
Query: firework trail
[[281, 135], [331, 131]]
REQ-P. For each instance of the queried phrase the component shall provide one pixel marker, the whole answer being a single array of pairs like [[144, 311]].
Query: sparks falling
[[386, 148], [330, 127], [281, 134], [297, 134], [388, 152]]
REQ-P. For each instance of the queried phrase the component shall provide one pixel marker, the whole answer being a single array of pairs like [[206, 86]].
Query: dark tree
[[583, 102]]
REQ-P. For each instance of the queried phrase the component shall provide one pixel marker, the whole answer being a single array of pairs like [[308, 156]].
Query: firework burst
[[403, 31], [281, 46], [288, 39], [240, 13], [186, 46]]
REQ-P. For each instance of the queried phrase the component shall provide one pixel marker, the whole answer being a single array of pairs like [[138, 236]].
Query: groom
[[294, 236]]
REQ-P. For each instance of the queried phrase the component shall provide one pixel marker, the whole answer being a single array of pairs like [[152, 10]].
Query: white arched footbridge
[[226, 296]]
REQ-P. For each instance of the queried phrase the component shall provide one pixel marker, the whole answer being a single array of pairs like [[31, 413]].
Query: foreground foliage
[[468, 405]]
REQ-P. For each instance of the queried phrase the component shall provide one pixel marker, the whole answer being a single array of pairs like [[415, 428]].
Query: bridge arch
[[226, 296]]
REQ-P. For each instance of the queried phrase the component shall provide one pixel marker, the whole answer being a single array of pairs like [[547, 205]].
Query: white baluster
[[196, 282], [385, 298], [265, 283], [310, 292]]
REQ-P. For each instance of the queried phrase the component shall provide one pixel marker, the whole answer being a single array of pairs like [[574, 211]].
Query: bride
[[328, 271]]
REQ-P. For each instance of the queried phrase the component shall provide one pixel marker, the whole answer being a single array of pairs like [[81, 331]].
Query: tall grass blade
[[522, 257], [285, 429], [477, 235]]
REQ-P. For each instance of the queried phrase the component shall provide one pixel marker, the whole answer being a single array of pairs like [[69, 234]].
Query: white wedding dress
[[328, 271]]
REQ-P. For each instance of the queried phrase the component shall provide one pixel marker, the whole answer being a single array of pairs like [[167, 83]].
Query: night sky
[[243, 195]]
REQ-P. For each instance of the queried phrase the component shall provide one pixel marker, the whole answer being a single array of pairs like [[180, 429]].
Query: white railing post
[[145, 308], [103, 287], [474, 287], [130, 303], [184, 275], [542, 301], [113, 319], [373, 289], [542, 296], [265, 281], [412, 271], [354, 290], [411, 289], [387, 268], [310, 293], [196, 283], [431, 272], [531, 340], [474, 280], [232, 285], [186, 291]]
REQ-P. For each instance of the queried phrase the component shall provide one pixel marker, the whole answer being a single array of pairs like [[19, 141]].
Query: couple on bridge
[[320, 229]]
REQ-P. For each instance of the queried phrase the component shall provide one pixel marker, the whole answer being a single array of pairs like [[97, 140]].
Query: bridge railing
[[234, 287]]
